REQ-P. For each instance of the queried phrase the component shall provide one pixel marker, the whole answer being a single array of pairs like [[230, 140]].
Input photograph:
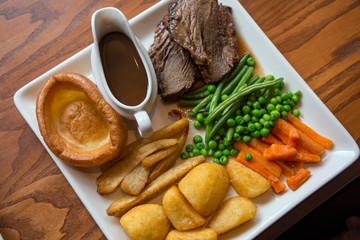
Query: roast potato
[[198, 234], [245, 181], [146, 222], [232, 212], [180, 213], [205, 187]]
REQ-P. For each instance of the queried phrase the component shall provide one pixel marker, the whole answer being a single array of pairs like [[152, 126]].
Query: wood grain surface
[[320, 39]]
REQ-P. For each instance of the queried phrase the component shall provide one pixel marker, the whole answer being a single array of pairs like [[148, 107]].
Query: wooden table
[[321, 39]]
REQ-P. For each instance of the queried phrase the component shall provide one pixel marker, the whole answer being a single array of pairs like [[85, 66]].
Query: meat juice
[[243, 47], [124, 71]]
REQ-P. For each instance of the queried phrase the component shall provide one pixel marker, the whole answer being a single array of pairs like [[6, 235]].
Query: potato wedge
[[205, 187], [155, 146], [198, 234], [168, 162], [169, 131], [232, 212], [180, 213], [123, 204], [245, 181], [146, 222], [112, 177], [154, 158], [135, 181]]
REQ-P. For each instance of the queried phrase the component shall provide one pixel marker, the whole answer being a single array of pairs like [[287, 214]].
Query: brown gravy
[[124, 71], [243, 47]]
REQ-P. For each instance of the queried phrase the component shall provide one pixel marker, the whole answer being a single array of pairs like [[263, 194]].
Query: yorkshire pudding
[[77, 124]]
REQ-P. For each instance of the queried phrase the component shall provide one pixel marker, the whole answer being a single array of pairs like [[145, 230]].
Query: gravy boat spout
[[108, 21]]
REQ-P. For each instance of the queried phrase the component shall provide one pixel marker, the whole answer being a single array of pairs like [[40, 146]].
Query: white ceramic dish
[[270, 206]]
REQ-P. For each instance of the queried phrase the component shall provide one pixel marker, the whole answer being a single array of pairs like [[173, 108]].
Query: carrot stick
[[278, 151], [325, 142], [304, 141], [258, 145], [296, 181], [302, 157], [279, 134], [270, 139], [287, 168], [276, 184], [293, 137], [258, 157]]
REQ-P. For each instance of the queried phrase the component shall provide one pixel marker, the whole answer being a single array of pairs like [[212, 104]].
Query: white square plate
[[270, 206]]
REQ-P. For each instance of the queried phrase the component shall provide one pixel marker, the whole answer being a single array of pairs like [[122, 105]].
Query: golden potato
[[146, 222], [180, 213], [246, 182], [232, 212], [198, 234], [205, 187]]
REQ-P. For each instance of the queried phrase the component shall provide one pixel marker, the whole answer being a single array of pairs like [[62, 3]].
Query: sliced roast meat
[[207, 31], [176, 71]]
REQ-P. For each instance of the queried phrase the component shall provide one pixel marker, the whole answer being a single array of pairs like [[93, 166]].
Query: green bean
[[239, 66], [245, 91], [217, 94], [226, 116], [253, 79], [202, 103], [198, 95], [243, 80], [230, 106], [234, 82], [208, 129], [189, 102], [200, 89], [230, 133]]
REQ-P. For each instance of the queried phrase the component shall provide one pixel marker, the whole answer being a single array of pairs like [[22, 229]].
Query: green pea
[[217, 154], [278, 99], [239, 119], [196, 152], [262, 121], [277, 113], [267, 124], [247, 118], [226, 142], [277, 91], [292, 104], [297, 93], [217, 137], [287, 108], [270, 107], [284, 113], [296, 112], [273, 101], [234, 152], [251, 127], [295, 99], [226, 152], [212, 144], [263, 111], [250, 103], [239, 129], [280, 85], [221, 146], [256, 105], [266, 117], [197, 124], [254, 119], [197, 139], [246, 109], [248, 156], [272, 123], [279, 107], [269, 77], [191, 114], [246, 139], [210, 152], [211, 88], [256, 113], [204, 152], [191, 154], [250, 61], [200, 146], [236, 137], [262, 101], [200, 117], [189, 147], [256, 134], [216, 160], [258, 126], [224, 97], [264, 132], [184, 155], [222, 132], [223, 160], [238, 112], [284, 96], [290, 94], [230, 122]]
